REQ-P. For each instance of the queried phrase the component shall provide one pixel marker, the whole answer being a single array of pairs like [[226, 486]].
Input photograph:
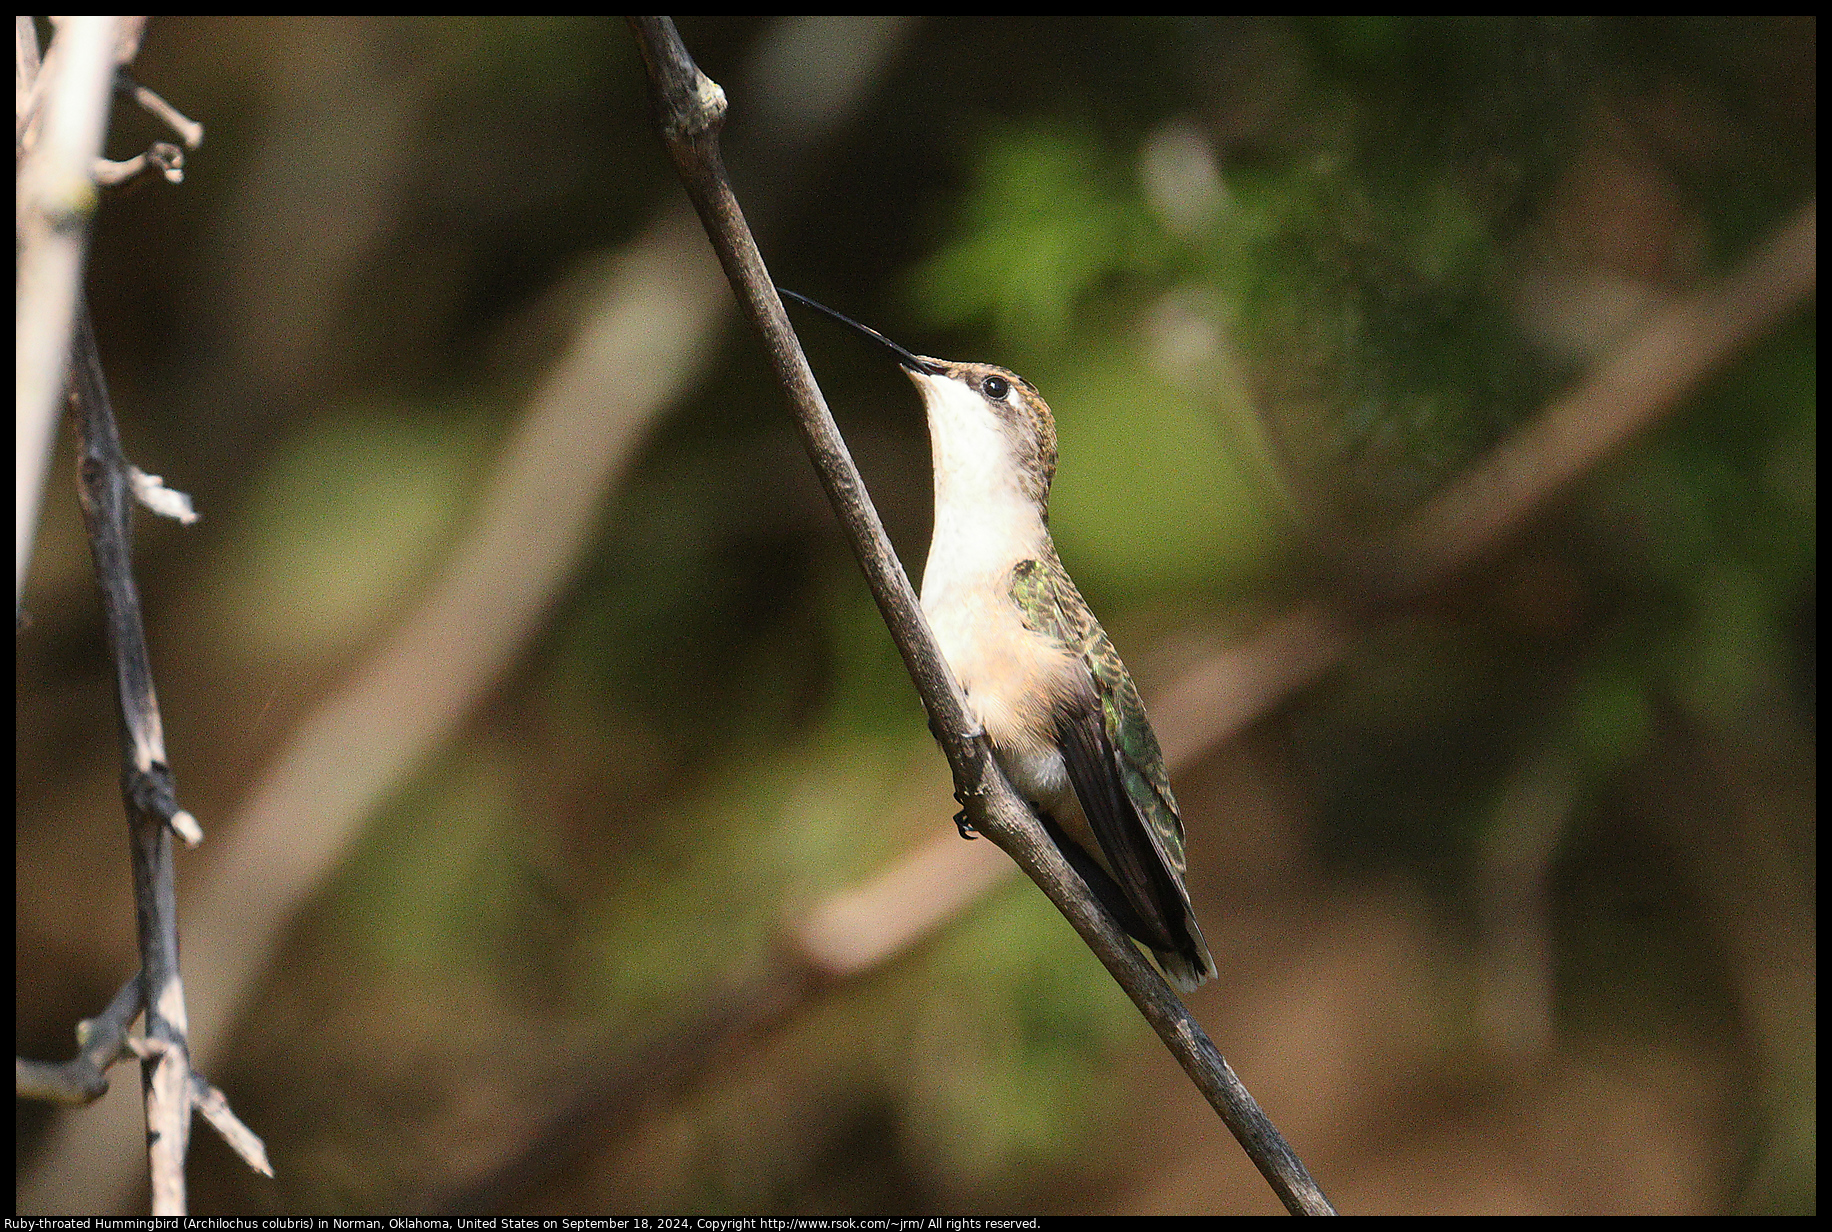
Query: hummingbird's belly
[[1042, 777], [1014, 678], [1016, 683]]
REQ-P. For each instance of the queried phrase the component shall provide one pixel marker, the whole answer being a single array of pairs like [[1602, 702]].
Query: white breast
[[986, 521]]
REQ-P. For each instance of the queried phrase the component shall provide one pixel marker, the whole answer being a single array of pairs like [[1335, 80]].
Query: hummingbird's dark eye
[[995, 387]]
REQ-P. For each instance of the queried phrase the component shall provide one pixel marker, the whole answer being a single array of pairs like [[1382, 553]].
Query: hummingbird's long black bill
[[912, 362]]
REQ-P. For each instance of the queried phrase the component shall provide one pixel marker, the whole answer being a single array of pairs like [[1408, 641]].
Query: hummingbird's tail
[[1189, 966], [1187, 970]]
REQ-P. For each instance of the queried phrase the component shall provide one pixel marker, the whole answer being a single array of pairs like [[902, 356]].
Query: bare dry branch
[[162, 157], [59, 125], [242, 1140], [103, 1040], [60, 120], [188, 130], [100, 1041], [146, 779], [641, 340]]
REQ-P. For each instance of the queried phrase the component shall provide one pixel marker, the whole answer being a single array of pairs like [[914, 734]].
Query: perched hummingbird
[[1064, 719]]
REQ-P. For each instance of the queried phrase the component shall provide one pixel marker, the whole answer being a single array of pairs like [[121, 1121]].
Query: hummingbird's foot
[[960, 819], [964, 826]]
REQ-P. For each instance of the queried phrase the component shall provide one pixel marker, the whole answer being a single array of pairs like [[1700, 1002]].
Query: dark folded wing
[[1151, 888]]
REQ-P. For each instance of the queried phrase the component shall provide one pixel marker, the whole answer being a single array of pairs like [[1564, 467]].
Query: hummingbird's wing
[[1151, 889], [1114, 763]]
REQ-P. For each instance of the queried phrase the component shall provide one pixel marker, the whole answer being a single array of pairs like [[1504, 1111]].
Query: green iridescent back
[[1053, 607]]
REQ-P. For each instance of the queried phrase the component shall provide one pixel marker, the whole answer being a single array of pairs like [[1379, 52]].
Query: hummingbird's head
[[984, 413], [988, 425]]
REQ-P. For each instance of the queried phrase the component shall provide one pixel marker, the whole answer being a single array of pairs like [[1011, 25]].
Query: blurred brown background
[[529, 696]]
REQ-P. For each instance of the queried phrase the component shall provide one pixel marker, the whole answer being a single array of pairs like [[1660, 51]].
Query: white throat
[[985, 518]]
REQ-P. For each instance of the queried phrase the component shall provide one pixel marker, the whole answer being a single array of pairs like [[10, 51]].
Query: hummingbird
[[1065, 722]]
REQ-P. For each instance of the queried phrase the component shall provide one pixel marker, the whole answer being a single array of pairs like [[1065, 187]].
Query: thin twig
[[690, 110], [162, 156], [61, 115], [242, 1140], [103, 1040], [188, 130], [100, 1042]]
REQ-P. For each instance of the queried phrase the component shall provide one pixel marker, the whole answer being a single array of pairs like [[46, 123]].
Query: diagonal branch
[[1640, 382], [689, 111]]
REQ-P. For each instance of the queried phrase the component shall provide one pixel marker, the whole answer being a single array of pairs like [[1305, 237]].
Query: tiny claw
[[964, 826]]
